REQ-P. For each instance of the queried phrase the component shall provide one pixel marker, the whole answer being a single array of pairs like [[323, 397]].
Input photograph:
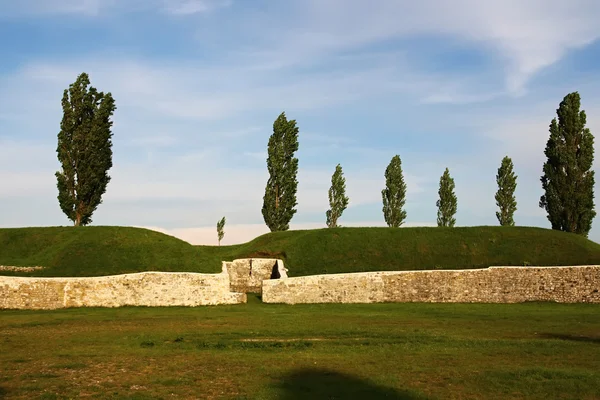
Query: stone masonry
[[579, 284], [141, 289], [247, 275], [491, 285]]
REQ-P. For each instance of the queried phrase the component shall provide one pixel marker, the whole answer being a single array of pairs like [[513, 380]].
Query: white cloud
[[454, 96], [165, 140], [21, 184], [520, 34], [91, 8], [524, 134], [199, 92], [257, 155], [95, 8], [189, 7]]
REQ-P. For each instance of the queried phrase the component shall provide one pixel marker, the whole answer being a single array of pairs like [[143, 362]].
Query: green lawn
[[99, 250], [260, 351]]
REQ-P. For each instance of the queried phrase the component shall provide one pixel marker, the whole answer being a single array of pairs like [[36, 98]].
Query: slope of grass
[[319, 351], [94, 251], [100, 250], [383, 249]]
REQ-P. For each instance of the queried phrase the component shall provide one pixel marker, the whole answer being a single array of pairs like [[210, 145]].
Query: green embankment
[[99, 250]]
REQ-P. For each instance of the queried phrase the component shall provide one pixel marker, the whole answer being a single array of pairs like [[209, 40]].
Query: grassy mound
[[99, 250], [340, 250]]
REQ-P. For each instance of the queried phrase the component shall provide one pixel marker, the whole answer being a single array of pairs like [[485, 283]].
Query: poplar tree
[[338, 201], [279, 201], [394, 194], [84, 149], [505, 196], [220, 231], [447, 202], [568, 178]]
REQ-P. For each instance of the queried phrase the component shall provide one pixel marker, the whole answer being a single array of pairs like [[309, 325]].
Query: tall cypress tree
[[221, 229], [505, 196], [280, 192], [338, 201], [447, 202], [84, 150], [394, 194], [568, 178]]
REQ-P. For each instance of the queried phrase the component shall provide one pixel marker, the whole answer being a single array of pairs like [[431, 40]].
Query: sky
[[198, 84]]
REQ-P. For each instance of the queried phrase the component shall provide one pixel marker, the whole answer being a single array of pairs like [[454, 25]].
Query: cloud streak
[[97, 8], [191, 7], [522, 33]]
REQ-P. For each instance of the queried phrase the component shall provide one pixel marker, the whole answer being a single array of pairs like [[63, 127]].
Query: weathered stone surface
[[246, 275], [19, 269], [141, 289], [490, 285]]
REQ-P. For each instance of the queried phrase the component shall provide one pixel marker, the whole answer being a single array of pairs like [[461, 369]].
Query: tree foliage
[[505, 196], [568, 178], [279, 201], [447, 202], [338, 201], [84, 149], [394, 194], [220, 229]]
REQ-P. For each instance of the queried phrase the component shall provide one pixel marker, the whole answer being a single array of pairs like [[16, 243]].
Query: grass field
[[258, 351], [94, 251]]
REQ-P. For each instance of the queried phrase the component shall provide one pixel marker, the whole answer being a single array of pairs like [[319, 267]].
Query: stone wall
[[141, 289], [490, 285], [19, 269], [246, 275]]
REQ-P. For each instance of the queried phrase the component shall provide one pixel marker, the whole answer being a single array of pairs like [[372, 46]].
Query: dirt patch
[[294, 339]]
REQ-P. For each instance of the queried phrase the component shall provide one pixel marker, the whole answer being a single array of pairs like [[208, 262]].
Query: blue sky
[[198, 84]]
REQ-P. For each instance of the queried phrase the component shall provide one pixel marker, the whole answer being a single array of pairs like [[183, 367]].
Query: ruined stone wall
[[141, 289], [490, 285], [246, 275]]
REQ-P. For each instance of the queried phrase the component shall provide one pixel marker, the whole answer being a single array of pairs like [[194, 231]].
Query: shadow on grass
[[318, 384], [3, 392], [574, 338]]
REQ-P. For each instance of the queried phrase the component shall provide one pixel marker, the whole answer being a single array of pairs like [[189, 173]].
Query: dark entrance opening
[[275, 272]]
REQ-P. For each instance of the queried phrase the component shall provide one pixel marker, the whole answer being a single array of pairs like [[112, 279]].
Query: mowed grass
[[100, 250], [334, 351], [327, 251]]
